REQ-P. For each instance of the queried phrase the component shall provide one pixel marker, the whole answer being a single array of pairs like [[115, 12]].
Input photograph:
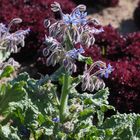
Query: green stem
[[69, 44], [64, 96], [66, 83], [103, 51]]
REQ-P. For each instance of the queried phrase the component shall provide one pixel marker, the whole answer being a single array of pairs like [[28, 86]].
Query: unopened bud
[[16, 21], [47, 23], [55, 7], [81, 7]]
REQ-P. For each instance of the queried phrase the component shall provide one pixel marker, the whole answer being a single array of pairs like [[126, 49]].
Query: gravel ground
[[120, 17]]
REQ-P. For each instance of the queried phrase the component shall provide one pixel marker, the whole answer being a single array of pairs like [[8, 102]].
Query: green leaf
[[105, 108], [21, 77], [123, 126], [88, 101], [8, 70], [85, 113], [8, 133], [87, 60], [5, 130], [100, 116], [109, 132], [31, 84], [41, 119], [104, 93], [138, 122], [11, 93], [57, 74], [48, 131]]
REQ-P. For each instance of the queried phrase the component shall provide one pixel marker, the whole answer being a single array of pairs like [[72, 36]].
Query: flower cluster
[[10, 62], [70, 30], [33, 14], [10, 41], [92, 81], [60, 55], [74, 26]]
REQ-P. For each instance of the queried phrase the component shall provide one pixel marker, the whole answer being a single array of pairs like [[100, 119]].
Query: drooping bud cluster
[[58, 54], [10, 41], [64, 34], [93, 81], [52, 45], [74, 25], [71, 29], [70, 57], [10, 62]]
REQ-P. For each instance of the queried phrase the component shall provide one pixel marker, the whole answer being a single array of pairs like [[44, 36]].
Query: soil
[[120, 17]]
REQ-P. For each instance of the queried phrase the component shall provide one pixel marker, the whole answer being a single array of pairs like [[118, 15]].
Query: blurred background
[[119, 44]]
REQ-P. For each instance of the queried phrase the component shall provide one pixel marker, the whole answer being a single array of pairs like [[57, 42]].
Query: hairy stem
[[64, 96]]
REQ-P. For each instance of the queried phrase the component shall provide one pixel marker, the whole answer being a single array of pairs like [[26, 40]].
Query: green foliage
[[82, 58], [54, 108], [8, 133], [123, 126], [6, 72], [34, 103], [10, 93], [117, 127]]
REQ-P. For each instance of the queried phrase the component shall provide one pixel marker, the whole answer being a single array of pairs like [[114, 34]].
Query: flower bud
[[55, 7], [16, 21], [81, 7], [47, 23]]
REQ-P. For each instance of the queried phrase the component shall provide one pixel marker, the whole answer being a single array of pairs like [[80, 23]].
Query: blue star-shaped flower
[[75, 52], [70, 19], [107, 71], [75, 18], [81, 16]]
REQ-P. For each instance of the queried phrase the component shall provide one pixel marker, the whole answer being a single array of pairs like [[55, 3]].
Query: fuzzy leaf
[[123, 126], [87, 60], [8, 70], [8, 133], [85, 113], [11, 93]]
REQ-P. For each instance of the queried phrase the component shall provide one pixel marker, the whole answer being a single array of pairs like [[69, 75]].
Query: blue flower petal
[[106, 75], [56, 120]]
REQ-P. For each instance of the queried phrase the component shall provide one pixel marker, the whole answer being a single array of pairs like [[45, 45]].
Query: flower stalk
[[64, 96]]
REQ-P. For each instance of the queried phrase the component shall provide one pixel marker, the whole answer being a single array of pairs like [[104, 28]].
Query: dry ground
[[120, 17]]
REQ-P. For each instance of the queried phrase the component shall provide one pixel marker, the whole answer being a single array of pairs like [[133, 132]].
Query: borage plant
[[54, 108], [63, 36]]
